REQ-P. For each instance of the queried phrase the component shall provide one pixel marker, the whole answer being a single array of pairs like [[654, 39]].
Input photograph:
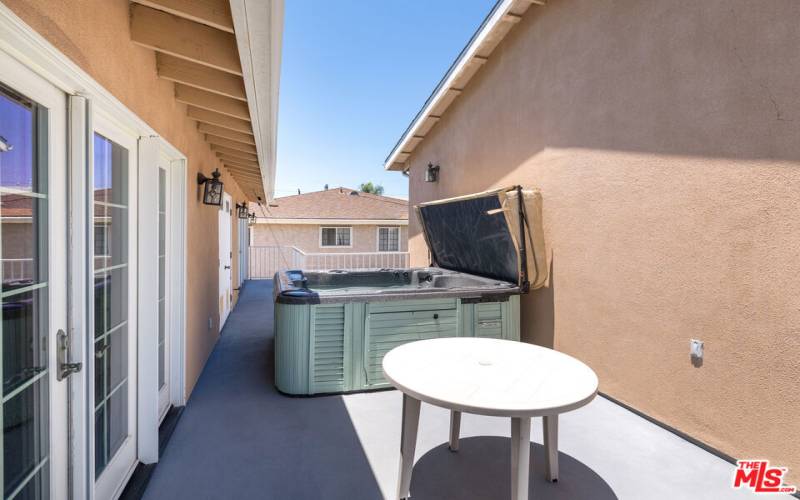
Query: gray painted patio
[[239, 438]]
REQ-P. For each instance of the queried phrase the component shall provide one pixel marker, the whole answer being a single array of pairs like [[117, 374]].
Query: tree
[[368, 187]]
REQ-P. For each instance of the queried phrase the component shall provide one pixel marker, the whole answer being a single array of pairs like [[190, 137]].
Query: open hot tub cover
[[480, 234]]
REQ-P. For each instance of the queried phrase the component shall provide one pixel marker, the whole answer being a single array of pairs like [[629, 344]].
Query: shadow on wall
[[538, 316], [480, 470]]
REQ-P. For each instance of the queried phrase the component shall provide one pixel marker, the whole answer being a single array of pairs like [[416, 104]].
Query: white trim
[[176, 247], [496, 16], [79, 138], [378, 238], [349, 228], [338, 222], [147, 229], [259, 31]]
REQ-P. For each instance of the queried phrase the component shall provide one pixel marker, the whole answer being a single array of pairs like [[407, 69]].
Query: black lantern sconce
[[212, 193], [241, 211], [432, 173], [252, 218]]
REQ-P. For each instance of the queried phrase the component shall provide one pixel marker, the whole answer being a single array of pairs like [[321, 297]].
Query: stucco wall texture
[[95, 34], [664, 138], [305, 237]]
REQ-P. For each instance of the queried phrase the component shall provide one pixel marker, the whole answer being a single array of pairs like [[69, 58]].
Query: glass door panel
[[162, 263], [163, 290], [110, 299], [28, 380]]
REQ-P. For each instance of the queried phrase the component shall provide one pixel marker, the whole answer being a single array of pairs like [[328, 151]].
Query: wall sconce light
[[432, 173], [241, 211], [252, 218], [212, 193]]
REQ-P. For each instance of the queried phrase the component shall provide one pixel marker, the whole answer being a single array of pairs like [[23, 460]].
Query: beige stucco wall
[[95, 35], [305, 237], [665, 137]]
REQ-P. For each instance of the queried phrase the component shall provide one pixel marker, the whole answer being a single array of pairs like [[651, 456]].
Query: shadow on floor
[[481, 470], [239, 438]]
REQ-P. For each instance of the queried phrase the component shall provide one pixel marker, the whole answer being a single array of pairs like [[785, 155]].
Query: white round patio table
[[501, 378]]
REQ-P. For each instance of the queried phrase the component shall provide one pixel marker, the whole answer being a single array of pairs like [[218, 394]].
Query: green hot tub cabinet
[[332, 328], [338, 347]]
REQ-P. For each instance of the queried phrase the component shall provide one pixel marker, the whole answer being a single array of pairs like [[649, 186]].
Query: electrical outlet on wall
[[696, 348]]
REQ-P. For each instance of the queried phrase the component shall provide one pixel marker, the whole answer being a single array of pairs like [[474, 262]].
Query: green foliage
[[368, 187]]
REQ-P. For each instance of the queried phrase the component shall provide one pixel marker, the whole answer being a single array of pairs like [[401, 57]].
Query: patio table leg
[[550, 428], [455, 429], [520, 457], [408, 443]]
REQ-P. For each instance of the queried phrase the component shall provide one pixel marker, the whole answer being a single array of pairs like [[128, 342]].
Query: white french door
[[113, 301], [224, 259], [34, 447]]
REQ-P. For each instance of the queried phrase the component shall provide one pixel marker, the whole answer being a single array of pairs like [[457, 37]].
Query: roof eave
[[445, 92], [259, 33]]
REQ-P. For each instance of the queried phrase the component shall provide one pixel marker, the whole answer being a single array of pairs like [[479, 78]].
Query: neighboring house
[[664, 139], [336, 220], [116, 277]]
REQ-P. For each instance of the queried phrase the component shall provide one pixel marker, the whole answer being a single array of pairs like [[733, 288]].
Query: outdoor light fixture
[[241, 210], [252, 218], [432, 173], [212, 193]]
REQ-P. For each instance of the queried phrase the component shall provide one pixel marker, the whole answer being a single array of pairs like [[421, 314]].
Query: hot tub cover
[[481, 234]]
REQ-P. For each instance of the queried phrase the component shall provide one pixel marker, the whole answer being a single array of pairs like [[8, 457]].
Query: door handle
[[227, 267], [65, 368]]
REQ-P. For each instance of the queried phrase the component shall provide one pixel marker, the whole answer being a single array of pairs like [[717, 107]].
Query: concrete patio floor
[[239, 438]]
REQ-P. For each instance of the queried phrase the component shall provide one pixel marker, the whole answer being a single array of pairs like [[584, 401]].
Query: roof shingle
[[334, 203]]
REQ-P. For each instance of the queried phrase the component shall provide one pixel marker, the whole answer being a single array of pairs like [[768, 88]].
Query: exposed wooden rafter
[[214, 118], [233, 153], [213, 13], [238, 162], [183, 38], [211, 101], [196, 48], [202, 77], [227, 133], [228, 143]]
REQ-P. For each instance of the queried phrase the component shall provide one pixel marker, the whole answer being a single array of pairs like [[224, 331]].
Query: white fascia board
[[259, 36], [497, 14], [335, 222]]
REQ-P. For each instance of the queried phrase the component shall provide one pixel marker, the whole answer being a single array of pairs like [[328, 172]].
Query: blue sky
[[354, 73]]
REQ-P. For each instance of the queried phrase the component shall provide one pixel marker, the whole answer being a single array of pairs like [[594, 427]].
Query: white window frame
[[349, 228], [378, 239]]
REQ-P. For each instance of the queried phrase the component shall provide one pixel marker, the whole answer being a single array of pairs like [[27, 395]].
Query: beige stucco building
[[332, 221], [664, 139]]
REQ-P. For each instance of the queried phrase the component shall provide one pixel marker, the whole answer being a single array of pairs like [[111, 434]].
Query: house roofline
[[489, 34]]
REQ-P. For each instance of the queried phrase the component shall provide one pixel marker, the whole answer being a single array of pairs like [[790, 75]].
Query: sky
[[354, 73]]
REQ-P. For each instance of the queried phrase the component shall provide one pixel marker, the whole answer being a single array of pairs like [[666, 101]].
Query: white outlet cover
[[696, 348]]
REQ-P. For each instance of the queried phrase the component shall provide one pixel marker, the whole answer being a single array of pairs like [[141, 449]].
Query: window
[[335, 237], [388, 239]]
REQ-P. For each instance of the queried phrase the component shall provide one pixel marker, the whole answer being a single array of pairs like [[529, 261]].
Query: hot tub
[[332, 328]]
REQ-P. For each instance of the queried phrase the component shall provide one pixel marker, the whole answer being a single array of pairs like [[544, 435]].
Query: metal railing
[[265, 261], [17, 269]]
